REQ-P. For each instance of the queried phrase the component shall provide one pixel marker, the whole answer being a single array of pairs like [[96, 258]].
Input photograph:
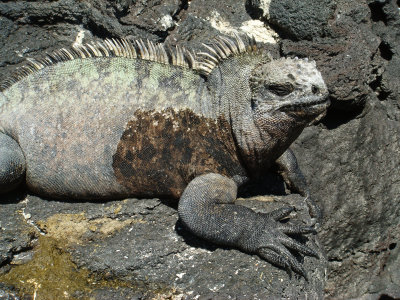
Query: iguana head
[[269, 102], [288, 87], [285, 96]]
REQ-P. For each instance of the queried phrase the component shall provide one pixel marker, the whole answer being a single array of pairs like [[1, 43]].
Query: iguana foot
[[273, 244], [12, 163], [207, 209]]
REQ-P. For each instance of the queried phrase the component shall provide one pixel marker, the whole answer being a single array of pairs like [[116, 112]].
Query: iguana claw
[[274, 244]]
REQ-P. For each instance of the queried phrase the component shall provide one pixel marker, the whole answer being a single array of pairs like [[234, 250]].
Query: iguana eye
[[281, 89]]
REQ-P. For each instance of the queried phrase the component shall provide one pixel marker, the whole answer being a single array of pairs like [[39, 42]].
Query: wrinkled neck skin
[[263, 140], [276, 131], [260, 139]]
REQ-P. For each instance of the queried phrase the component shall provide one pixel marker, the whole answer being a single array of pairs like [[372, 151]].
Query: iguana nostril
[[314, 89]]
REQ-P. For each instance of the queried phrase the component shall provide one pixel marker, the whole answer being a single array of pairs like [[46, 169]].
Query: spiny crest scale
[[203, 62], [222, 48]]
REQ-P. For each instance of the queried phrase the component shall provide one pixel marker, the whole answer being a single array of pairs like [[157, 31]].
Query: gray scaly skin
[[145, 122]]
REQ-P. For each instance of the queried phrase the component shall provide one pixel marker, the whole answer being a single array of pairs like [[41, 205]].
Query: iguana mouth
[[309, 104]]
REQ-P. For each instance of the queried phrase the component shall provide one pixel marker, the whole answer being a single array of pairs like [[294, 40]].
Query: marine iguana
[[119, 118]]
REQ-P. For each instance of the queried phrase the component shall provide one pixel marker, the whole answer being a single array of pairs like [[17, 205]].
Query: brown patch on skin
[[161, 152]]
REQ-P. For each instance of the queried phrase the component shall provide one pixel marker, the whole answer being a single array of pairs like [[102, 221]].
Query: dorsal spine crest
[[203, 62]]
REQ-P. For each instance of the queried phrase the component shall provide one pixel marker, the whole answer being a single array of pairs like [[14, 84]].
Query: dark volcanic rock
[[139, 246], [136, 248], [362, 226], [301, 20], [16, 235]]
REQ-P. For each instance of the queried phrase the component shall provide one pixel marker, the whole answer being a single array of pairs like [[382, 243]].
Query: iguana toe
[[281, 213], [273, 243], [275, 258], [293, 244], [296, 229], [314, 209], [283, 259]]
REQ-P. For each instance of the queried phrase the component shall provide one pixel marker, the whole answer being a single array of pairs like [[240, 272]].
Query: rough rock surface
[[137, 248], [90, 249]]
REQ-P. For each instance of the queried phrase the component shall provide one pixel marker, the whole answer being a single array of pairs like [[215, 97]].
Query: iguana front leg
[[12, 163], [294, 178], [207, 209]]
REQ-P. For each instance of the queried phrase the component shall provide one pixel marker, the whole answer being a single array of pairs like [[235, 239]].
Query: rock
[[16, 234], [297, 20], [205, 19], [140, 246], [361, 227]]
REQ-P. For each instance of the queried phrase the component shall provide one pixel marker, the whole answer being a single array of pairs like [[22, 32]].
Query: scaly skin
[[113, 127]]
